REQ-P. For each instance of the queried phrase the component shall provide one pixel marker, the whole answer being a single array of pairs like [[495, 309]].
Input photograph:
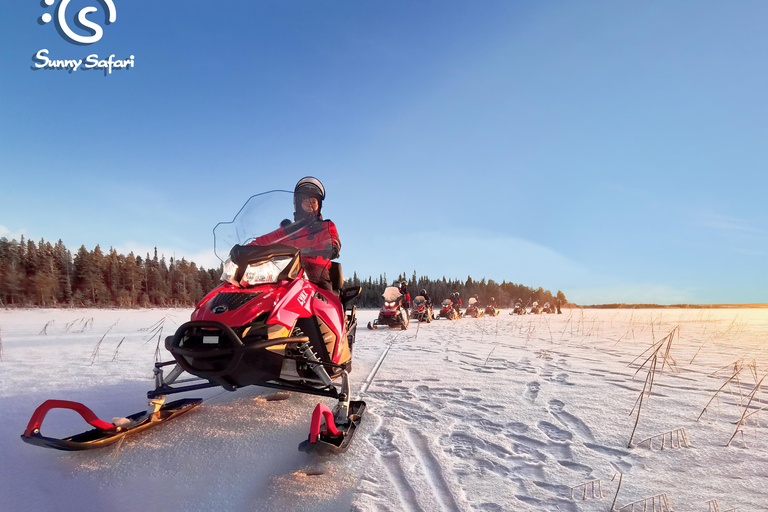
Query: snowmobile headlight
[[265, 271], [389, 304], [229, 271]]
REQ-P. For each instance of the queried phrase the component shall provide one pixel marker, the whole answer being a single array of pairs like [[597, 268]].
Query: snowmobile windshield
[[418, 301], [261, 214], [391, 294], [447, 302], [472, 301]]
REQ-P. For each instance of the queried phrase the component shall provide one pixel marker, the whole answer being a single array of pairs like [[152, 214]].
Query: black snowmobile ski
[[105, 433], [335, 438]]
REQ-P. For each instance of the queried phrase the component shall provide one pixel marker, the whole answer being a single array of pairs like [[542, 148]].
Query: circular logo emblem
[[221, 308]]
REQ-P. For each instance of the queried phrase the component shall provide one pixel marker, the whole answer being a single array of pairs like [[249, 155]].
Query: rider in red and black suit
[[317, 239]]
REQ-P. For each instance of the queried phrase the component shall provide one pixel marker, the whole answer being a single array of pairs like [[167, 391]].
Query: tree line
[[48, 275], [505, 294]]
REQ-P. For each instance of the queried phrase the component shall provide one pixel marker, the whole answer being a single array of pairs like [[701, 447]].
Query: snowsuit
[[406, 297], [457, 304], [318, 243]]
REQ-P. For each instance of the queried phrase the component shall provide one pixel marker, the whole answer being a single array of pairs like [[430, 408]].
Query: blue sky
[[616, 151]]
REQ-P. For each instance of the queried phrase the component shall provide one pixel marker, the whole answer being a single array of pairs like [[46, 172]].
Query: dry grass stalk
[[156, 328], [658, 503], [596, 492], [86, 324], [678, 434], [714, 507], [618, 489], [744, 415], [45, 328], [652, 362], [114, 356], [70, 324], [489, 354], [1, 347], [95, 352], [738, 366]]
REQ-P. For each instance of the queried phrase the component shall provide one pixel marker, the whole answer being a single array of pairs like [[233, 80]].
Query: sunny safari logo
[[88, 32]]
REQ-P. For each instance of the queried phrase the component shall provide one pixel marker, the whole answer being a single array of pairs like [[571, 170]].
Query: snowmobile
[[473, 310], [421, 310], [535, 308], [491, 310], [519, 309], [264, 325], [448, 311], [392, 314], [548, 309]]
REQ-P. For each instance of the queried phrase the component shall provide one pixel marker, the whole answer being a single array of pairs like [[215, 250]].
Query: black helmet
[[423, 292], [306, 188]]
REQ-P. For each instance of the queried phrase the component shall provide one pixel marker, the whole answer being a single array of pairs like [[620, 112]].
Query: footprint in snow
[[574, 423], [532, 391], [554, 432], [383, 440]]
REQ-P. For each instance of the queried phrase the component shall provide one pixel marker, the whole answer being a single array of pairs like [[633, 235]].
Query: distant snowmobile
[[392, 314], [265, 325], [448, 311], [473, 310], [421, 310]]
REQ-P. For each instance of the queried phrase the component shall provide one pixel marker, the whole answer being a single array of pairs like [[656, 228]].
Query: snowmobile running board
[[335, 438], [105, 433]]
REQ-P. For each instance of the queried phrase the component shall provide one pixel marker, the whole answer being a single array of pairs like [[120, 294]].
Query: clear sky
[[617, 151]]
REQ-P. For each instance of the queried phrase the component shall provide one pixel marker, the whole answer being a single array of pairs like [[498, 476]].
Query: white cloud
[[12, 235], [204, 258]]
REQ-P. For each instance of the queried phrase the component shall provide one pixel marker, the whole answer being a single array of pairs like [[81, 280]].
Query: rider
[[317, 239], [493, 302], [406, 296], [456, 298], [423, 293]]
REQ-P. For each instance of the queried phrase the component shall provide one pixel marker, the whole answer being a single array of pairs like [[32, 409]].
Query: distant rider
[[423, 293], [406, 296], [456, 299]]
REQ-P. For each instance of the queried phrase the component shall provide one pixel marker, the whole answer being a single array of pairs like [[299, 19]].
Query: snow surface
[[488, 414]]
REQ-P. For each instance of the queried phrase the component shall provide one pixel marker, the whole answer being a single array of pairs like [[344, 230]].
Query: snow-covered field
[[492, 414]]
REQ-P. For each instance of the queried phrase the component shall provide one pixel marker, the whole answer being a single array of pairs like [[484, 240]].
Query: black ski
[[105, 433]]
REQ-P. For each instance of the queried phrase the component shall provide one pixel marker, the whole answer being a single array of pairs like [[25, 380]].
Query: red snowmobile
[[448, 311], [421, 310], [266, 325], [473, 310], [491, 310], [392, 314]]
